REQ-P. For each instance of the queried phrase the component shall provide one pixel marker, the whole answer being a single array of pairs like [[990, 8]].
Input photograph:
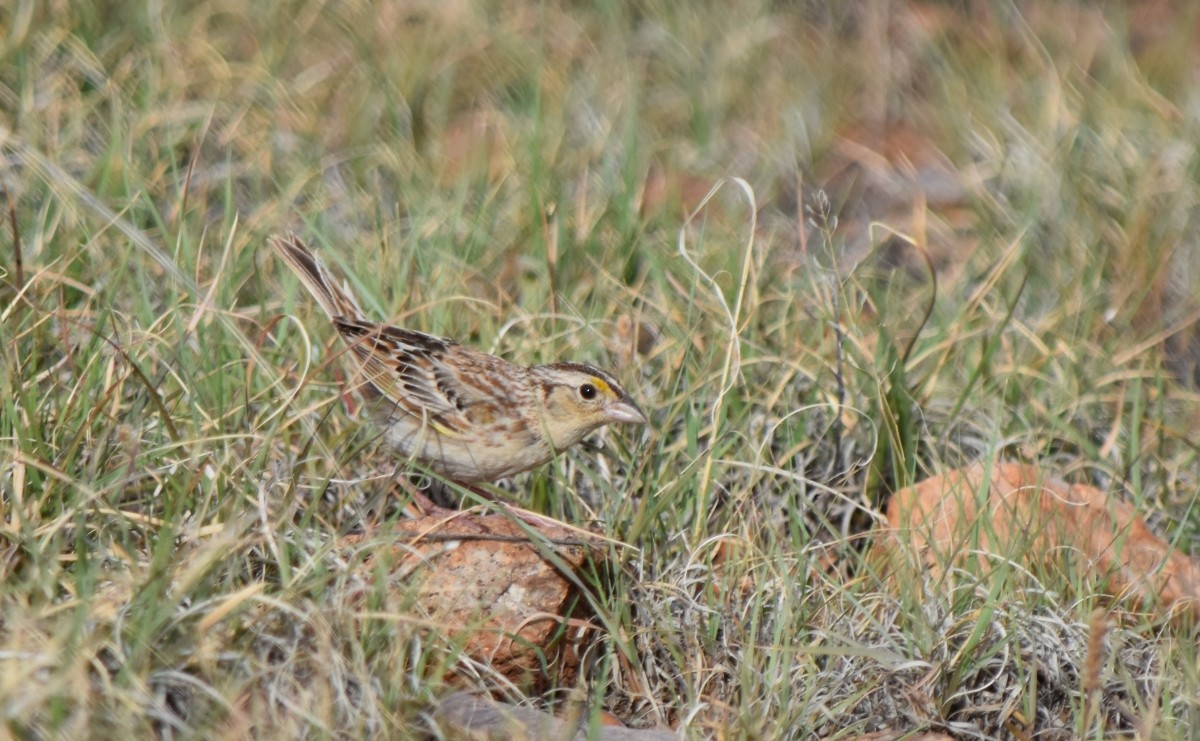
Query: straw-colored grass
[[178, 463]]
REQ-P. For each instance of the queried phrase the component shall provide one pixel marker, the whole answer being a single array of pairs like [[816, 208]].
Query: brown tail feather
[[336, 301]]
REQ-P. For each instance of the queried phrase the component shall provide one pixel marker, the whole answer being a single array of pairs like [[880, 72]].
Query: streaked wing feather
[[408, 367]]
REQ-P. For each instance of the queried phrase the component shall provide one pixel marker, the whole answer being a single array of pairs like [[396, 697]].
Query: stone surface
[[1017, 510], [465, 715], [487, 581]]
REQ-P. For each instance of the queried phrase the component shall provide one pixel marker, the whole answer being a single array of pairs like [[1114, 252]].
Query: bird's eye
[[587, 392]]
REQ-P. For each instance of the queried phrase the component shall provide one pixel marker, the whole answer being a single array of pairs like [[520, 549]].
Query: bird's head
[[578, 398]]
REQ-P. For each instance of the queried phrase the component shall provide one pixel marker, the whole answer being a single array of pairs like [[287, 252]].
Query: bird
[[463, 414]]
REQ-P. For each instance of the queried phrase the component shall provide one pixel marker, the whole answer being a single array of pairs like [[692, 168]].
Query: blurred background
[[961, 229]]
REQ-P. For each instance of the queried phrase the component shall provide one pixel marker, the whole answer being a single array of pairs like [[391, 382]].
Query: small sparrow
[[461, 413]]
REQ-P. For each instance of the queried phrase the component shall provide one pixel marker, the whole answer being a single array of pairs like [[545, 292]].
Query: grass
[[177, 464]]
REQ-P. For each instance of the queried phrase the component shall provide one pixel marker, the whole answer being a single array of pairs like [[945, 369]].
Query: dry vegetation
[[961, 230]]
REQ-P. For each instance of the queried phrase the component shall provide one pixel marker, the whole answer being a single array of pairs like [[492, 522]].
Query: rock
[[1017, 510], [465, 715], [485, 579]]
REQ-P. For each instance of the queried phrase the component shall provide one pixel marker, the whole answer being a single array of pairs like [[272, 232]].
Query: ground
[[832, 249]]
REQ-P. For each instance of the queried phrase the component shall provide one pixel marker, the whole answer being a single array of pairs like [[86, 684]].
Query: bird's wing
[[409, 368]]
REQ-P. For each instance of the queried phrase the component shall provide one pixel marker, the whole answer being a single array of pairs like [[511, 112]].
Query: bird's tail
[[337, 301]]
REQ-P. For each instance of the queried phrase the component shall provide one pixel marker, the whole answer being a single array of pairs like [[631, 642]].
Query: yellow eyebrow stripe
[[604, 387]]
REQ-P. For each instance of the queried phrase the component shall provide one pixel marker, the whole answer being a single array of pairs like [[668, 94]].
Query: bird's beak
[[625, 411]]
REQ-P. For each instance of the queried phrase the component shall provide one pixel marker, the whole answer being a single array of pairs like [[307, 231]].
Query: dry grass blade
[[1093, 666], [200, 540], [18, 261], [72, 191], [731, 367]]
